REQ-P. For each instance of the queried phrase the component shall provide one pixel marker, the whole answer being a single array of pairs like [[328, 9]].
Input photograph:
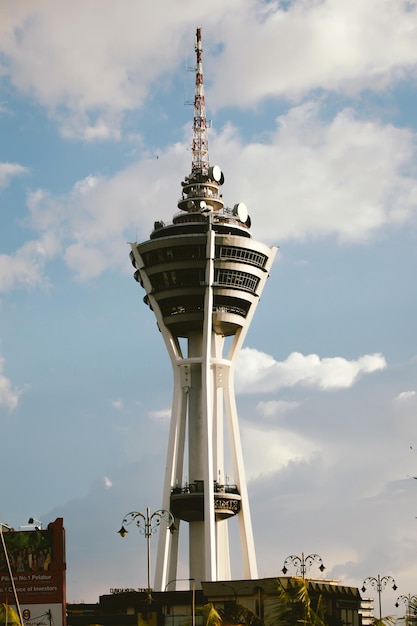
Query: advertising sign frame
[[37, 561]]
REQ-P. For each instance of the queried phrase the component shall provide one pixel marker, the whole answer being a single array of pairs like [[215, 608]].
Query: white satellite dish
[[216, 174], [241, 211]]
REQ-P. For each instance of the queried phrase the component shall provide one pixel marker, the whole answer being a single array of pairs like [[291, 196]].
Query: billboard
[[37, 562]]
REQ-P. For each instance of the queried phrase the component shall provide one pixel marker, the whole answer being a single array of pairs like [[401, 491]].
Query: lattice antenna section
[[200, 159]]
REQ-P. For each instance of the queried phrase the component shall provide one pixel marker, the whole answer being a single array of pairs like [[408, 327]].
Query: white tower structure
[[203, 275]]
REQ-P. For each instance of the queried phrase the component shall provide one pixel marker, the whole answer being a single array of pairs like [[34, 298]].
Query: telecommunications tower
[[203, 275]]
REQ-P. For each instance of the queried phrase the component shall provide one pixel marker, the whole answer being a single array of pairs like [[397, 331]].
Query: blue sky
[[314, 123]]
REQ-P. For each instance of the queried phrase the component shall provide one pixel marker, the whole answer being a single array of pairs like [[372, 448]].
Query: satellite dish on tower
[[216, 174], [241, 211]]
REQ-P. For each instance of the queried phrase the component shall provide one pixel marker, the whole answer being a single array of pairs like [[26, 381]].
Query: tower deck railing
[[198, 487]]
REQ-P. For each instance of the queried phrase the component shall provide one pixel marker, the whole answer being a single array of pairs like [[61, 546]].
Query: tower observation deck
[[203, 275]]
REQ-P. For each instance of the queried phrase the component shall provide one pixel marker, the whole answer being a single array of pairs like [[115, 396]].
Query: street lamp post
[[379, 583], [411, 602], [192, 580], [303, 563], [175, 580], [236, 591], [148, 525]]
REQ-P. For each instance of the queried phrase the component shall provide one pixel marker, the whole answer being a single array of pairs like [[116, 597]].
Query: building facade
[[246, 602]]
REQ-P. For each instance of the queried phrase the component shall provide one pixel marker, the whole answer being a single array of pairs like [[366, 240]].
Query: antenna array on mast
[[200, 158]]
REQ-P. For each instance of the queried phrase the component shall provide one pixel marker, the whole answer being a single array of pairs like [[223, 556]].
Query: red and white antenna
[[201, 188], [200, 158]]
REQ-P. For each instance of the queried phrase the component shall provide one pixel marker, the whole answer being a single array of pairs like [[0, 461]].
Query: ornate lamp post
[[148, 525], [411, 602], [303, 563], [379, 583]]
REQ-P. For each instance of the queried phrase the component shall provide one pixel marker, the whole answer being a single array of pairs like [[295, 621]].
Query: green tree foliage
[[211, 617], [235, 613], [293, 606], [232, 614]]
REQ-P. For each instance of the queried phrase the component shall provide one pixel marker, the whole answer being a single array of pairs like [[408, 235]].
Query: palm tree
[[238, 614], [293, 605], [211, 617], [411, 619]]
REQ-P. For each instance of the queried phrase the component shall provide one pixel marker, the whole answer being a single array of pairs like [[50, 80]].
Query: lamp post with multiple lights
[[411, 603], [303, 563], [379, 583], [148, 525]]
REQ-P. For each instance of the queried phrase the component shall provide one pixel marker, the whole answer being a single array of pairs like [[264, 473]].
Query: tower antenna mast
[[200, 158]]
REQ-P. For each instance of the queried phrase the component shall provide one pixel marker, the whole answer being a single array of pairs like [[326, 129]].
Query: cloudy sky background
[[314, 123]]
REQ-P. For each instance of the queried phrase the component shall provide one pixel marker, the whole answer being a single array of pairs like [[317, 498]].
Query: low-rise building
[[248, 602]]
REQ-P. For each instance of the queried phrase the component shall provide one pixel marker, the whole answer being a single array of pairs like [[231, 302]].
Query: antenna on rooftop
[[200, 156]]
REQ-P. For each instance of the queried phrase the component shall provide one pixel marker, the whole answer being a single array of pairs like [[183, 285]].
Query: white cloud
[[160, 415], [347, 177], [259, 372], [9, 396], [117, 404], [275, 408], [405, 395], [89, 61], [8, 170], [107, 483], [330, 45], [97, 218], [279, 448], [333, 45], [106, 127], [85, 261], [26, 266]]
